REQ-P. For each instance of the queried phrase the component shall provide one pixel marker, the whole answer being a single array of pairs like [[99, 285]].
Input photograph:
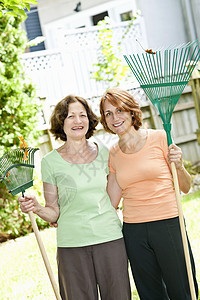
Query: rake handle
[[183, 232], [44, 255]]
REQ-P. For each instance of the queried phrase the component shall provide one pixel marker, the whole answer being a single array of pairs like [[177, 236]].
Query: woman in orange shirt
[[140, 173]]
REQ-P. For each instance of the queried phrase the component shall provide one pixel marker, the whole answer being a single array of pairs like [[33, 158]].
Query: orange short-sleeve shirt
[[145, 179]]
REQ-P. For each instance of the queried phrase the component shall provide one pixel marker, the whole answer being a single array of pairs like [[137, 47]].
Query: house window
[[99, 17], [126, 16], [33, 28]]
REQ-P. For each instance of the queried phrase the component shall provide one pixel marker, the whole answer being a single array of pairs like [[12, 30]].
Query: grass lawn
[[22, 272]]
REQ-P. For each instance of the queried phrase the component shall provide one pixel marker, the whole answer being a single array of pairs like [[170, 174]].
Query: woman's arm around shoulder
[[184, 178], [50, 212], [113, 189]]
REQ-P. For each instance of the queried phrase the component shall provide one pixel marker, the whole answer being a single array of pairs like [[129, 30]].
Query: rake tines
[[164, 67], [164, 75], [16, 169]]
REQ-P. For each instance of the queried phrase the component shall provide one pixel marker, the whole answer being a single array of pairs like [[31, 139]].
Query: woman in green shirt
[[91, 251]]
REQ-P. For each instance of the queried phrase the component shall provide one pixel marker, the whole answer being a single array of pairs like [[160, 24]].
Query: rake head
[[16, 169], [163, 76]]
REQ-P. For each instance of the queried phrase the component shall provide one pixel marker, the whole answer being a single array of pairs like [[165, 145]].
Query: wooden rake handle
[[44, 255], [183, 233]]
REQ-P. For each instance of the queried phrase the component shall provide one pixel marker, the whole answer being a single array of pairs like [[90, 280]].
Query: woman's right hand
[[28, 203]]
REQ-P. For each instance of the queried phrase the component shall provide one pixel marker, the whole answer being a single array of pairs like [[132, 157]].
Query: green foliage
[[15, 7], [109, 67], [18, 116], [18, 103], [191, 168]]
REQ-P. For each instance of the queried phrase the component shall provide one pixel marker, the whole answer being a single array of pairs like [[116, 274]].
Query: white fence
[[67, 69]]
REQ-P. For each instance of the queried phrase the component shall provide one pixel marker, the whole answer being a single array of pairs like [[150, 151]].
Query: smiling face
[[76, 124], [118, 120]]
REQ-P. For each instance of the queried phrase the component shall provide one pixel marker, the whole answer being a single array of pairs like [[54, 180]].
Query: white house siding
[[166, 22], [73, 20], [171, 21], [51, 10], [196, 14]]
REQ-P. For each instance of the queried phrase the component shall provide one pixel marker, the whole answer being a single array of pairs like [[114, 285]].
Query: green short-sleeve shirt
[[87, 216]]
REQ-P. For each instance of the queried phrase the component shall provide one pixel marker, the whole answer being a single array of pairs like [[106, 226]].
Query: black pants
[[157, 260]]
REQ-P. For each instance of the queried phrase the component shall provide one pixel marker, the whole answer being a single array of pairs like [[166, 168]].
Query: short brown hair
[[61, 112], [126, 102]]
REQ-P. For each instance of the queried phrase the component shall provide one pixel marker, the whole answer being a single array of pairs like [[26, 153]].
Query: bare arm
[[113, 190], [50, 212], [184, 178]]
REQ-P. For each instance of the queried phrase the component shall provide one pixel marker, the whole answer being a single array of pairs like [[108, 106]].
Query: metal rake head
[[163, 76], [16, 169]]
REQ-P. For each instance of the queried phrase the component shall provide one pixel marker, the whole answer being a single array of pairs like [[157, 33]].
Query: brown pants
[[81, 269]]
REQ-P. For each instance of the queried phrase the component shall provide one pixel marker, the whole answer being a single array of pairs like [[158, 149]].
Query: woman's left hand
[[184, 178], [175, 155]]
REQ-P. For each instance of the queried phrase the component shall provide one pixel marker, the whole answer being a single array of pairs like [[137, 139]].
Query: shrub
[[15, 7], [18, 116]]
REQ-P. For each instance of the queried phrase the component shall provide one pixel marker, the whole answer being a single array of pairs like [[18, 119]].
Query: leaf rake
[[16, 169], [16, 172], [163, 76]]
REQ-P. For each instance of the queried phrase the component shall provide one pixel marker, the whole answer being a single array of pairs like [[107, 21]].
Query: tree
[[18, 117], [15, 7], [18, 103]]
